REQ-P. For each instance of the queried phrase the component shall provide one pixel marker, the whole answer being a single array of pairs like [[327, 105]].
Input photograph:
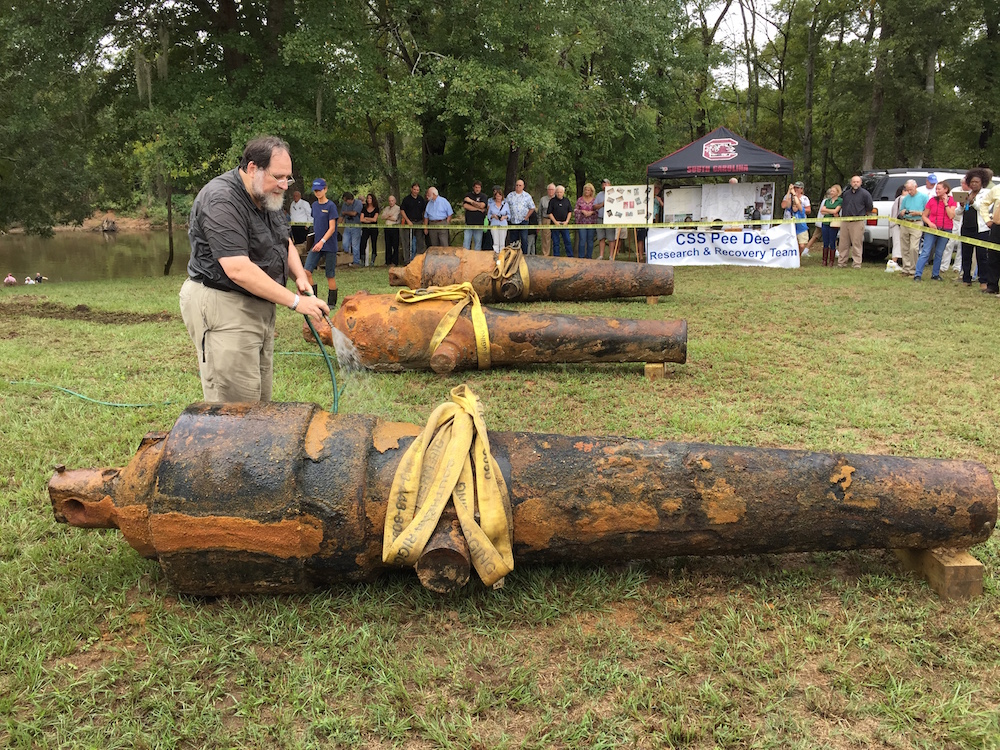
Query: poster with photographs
[[627, 204], [681, 204], [744, 201]]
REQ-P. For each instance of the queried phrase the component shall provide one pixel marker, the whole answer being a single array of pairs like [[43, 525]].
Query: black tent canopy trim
[[720, 153]]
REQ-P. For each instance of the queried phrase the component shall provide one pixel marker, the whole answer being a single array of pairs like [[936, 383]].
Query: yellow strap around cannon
[[451, 460], [463, 294], [511, 260]]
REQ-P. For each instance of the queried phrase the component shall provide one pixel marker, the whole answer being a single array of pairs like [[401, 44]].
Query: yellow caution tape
[[510, 261], [463, 294], [451, 460]]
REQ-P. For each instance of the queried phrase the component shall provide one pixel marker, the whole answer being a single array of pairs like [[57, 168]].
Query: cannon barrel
[[273, 497], [548, 278], [392, 336]]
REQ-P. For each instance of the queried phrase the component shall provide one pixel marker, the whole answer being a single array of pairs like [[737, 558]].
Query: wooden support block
[[652, 299], [952, 573], [655, 370]]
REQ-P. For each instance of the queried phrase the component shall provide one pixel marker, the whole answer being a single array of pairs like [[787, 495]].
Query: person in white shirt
[[300, 215]]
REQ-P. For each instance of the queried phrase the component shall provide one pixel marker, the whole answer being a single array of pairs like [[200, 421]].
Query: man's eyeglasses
[[287, 180]]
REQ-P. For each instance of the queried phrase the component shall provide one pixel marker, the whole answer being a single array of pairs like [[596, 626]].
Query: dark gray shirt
[[856, 202], [225, 222]]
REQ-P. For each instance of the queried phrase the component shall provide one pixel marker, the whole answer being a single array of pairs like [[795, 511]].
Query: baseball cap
[[606, 180], [319, 184], [799, 184], [932, 179]]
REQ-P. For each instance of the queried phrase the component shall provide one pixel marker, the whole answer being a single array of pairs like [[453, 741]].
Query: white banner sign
[[775, 247]]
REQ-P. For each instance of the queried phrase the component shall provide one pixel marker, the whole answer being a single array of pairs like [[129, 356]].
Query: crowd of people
[[931, 223], [422, 219]]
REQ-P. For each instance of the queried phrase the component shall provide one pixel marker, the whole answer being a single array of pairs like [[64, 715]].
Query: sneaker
[[936, 278], [916, 278]]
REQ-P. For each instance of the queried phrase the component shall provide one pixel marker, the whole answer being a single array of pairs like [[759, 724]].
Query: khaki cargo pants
[[233, 335]]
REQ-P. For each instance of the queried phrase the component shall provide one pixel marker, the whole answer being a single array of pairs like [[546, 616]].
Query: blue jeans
[[352, 242], [932, 246], [473, 236], [586, 246], [564, 235], [519, 235], [829, 235]]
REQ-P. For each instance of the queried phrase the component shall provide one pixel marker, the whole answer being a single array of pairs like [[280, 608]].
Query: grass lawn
[[831, 650]]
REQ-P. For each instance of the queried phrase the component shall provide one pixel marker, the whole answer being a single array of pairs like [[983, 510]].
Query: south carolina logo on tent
[[720, 149]]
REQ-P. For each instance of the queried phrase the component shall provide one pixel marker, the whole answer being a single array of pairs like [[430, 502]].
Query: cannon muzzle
[[548, 278], [273, 497], [391, 336]]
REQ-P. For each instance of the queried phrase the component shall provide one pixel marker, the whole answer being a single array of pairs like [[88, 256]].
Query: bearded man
[[241, 258]]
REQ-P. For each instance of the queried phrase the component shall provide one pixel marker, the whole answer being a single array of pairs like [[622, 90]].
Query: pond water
[[92, 256]]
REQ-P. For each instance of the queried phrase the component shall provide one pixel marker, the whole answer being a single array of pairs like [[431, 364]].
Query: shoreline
[[125, 224]]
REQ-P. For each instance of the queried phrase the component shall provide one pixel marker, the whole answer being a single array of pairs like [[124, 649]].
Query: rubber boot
[[331, 298]]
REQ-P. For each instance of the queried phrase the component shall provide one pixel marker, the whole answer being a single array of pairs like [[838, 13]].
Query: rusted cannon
[[391, 336], [548, 278], [272, 497]]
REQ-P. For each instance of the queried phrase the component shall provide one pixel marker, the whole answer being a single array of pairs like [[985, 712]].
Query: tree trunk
[[782, 78], [930, 69], [753, 66], [390, 150], [704, 77], [513, 164], [878, 93], [170, 228], [807, 128]]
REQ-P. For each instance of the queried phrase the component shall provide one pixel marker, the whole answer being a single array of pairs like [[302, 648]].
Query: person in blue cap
[[324, 213]]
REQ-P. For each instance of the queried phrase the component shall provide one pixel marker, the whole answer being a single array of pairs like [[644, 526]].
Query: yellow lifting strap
[[451, 459], [510, 260], [463, 294]]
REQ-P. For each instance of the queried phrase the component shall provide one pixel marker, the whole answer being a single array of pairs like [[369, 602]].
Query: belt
[[220, 287], [437, 221]]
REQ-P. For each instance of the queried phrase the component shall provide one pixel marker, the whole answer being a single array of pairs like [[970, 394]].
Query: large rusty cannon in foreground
[[271, 497], [391, 336], [548, 278]]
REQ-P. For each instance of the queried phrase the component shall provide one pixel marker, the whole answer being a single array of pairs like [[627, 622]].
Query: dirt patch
[[41, 307]]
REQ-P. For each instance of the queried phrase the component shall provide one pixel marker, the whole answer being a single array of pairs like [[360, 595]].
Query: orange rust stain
[[133, 520], [87, 514], [536, 522], [605, 518], [843, 474], [697, 461], [720, 502], [387, 434], [582, 446], [317, 435], [860, 501], [671, 505], [176, 532], [137, 478], [613, 323]]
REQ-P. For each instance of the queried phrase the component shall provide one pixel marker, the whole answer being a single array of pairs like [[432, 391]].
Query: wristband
[[295, 303]]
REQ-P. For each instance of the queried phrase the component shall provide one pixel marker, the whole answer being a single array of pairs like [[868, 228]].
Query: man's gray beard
[[269, 201], [273, 202]]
